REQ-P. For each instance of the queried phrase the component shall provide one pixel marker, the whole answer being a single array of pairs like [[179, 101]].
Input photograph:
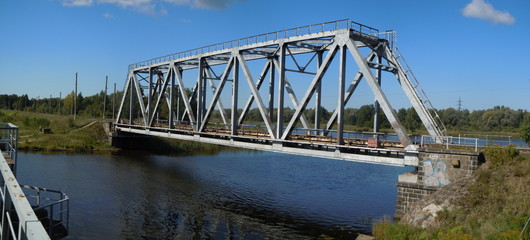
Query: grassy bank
[[496, 206], [84, 134], [65, 133]]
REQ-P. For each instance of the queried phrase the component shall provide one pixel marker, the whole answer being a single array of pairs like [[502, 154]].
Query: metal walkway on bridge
[[160, 99]]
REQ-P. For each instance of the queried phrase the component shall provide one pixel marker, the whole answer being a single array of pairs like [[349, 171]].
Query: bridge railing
[[359, 28], [450, 141]]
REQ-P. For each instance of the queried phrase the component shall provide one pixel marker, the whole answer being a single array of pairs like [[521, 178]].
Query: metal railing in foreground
[[19, 221], [52, 209], [9, 141]]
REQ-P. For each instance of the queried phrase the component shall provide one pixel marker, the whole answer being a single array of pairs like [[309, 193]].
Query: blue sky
[[476, 50]]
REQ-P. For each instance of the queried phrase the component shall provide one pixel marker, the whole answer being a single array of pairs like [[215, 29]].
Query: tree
[[524, 130]]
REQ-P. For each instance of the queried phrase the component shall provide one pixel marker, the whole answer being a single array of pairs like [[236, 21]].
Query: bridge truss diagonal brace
[[257, 97], [183, 93], [378, 93], [190, 99], [140, 98], [217, 93], [250, 100], [349, 92], [292, 95], [220, 105], [124, 96], [160, 95], [312, 88], [414, 98]]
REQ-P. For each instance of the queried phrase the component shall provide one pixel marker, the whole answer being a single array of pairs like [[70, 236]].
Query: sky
[[473, 50]]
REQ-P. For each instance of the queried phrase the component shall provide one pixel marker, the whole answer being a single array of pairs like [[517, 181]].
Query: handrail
[[29, 225], [359, 28]]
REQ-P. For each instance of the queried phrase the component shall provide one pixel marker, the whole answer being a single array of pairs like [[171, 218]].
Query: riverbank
[[48, 132], [495, 204]]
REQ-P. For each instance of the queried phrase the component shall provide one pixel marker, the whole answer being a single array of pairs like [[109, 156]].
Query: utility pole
[[105, 97], [50, 105], [59, 106], [75, 97], [459, 104], [114, 102]]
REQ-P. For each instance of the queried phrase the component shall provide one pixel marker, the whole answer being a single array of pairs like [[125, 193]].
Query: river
[[229, 195]]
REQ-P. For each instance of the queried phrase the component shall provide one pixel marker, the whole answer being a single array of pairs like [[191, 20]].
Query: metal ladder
[[413, 81]]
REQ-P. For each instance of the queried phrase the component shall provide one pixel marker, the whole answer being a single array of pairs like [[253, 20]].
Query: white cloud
[[108, 15], [213, 4], [154, 7], [485, 11], [76, 3]]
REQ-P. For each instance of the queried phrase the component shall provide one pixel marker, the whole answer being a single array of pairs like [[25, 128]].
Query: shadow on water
[[231, 194]]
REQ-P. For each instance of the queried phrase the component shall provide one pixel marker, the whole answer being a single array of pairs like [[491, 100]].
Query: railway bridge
[[181, 95]]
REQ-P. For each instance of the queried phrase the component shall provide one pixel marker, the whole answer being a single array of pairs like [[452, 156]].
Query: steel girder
[[323, 45]]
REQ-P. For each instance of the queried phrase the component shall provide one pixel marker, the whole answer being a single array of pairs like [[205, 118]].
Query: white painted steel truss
[[160, 81]]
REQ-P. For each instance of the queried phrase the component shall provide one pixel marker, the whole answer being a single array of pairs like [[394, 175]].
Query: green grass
[[70, 135], [496, 207], [66, 134]]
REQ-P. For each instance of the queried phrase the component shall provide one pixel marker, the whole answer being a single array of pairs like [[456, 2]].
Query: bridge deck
[[390, 152]]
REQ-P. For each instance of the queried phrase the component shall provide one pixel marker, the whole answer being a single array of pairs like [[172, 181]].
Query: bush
[[499, 155], [524, 130]]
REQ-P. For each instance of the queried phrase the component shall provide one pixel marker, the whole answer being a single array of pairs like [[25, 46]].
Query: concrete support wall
[[436, 168]]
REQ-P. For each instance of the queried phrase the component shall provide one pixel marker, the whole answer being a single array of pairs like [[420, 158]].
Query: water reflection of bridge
[[173, 90]]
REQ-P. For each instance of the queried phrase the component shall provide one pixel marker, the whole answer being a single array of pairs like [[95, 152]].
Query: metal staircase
[[416, 94]]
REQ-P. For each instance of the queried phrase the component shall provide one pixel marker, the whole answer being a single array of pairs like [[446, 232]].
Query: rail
[[421, 140], [360, 29]]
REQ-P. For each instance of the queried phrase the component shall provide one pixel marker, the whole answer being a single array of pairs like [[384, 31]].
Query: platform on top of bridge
[[314, 36]]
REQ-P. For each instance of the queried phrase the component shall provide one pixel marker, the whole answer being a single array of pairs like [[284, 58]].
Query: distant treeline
[[498, 118]]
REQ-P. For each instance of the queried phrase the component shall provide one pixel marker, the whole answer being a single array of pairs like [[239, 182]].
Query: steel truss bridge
[[169, 96]]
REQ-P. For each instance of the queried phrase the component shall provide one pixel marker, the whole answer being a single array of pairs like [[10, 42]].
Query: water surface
[[232, 194]]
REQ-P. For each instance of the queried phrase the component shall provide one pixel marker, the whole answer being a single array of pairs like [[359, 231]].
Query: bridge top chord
[[358, 28]]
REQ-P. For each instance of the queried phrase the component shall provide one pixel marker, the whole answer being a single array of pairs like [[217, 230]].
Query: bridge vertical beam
[[200, 94], [235, 90], [342, 77], [131, 104], [272, 73], [171, 99], [377, 108], [149, 97], [378, 92], [281, 91], [318, 96], [177, 116]]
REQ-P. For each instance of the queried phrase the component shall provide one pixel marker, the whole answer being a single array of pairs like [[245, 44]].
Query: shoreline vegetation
[[58, 133]]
